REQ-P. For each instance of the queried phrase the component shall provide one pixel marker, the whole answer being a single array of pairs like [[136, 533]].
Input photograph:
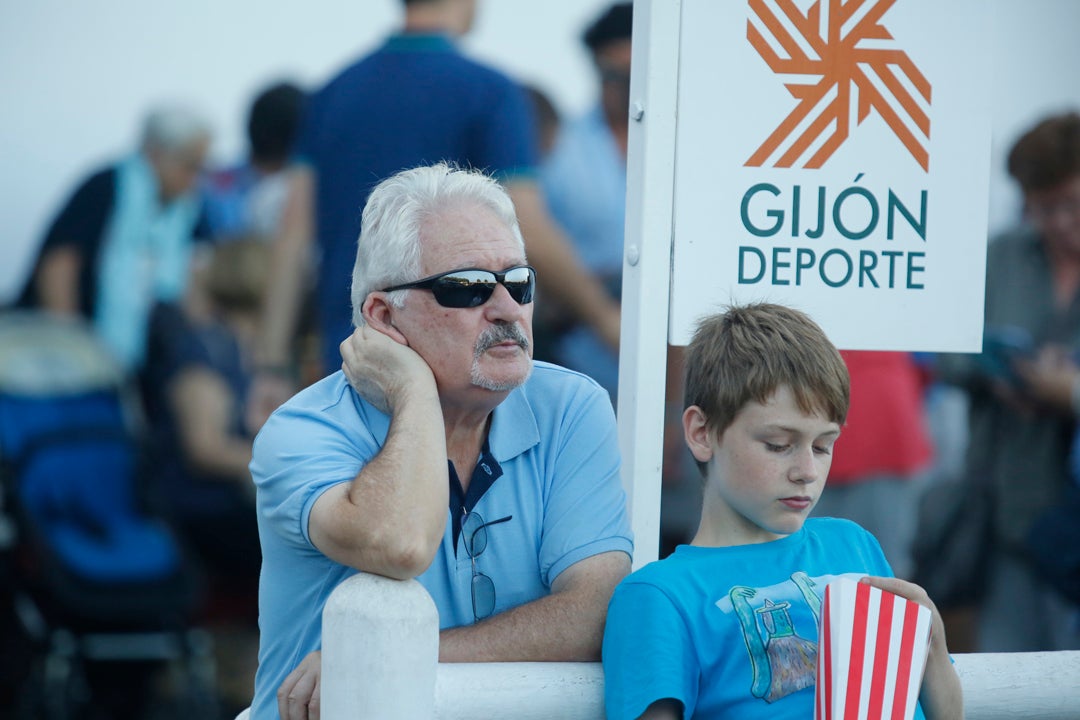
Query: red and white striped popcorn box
[[872, 650]]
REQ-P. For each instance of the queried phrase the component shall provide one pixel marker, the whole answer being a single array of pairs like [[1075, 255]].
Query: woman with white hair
[[123, 239]]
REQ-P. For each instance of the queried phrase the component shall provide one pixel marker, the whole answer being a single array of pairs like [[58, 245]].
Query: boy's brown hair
[[745, 353]]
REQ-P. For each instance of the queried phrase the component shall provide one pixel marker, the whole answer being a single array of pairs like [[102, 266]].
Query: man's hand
[[380, 368], [1049, 376], [608, 325], [298, 696]]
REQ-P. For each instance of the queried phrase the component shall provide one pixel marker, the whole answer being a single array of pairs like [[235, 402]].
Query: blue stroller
[[95, 579]]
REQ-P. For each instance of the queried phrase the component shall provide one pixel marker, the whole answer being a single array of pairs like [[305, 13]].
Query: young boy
[[727, 626]]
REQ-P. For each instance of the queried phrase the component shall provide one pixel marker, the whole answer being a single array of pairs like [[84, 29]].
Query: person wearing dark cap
[[584, 182]]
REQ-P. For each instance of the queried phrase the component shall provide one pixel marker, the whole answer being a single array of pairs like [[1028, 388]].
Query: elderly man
[[123, 240], [440, 451]]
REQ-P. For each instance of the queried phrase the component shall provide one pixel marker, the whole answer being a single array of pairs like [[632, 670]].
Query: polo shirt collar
[[513, 427], [513, 424], [419, 42]]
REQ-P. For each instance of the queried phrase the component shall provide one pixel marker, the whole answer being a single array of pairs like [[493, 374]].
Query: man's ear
[[697, 433], [379, 314]]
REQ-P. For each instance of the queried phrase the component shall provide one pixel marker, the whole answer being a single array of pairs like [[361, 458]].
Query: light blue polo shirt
[[584, 183], [554, 440]]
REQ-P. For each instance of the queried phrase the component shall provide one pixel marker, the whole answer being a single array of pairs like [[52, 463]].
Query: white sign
[[834, 156]]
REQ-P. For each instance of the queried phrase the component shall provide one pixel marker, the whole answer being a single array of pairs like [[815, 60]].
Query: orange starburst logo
[[846, 64]]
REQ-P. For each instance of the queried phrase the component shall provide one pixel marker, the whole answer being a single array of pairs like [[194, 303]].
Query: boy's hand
[[914, 593], [903, 588], [941, 696]]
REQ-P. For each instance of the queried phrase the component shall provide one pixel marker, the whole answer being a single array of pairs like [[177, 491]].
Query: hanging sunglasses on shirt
[[472, 287]]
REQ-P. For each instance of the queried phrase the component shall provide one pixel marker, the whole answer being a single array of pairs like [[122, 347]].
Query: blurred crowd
[[217, 290]]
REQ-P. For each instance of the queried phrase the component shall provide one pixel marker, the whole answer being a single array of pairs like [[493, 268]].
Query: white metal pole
[[380, 650], [647, 265]]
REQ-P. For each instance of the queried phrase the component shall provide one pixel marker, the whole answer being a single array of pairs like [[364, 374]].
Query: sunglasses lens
[[520, 283], [464, 289], [483, 595], [475, 533], [472, 288]]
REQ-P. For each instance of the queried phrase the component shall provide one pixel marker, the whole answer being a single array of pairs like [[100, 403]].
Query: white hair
[[388, 250], [169, 128]]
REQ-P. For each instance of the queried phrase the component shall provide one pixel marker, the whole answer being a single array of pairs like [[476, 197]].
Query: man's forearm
[[551, 629], [391, 517], [558, 268], [565, 626], [288, 268], [58, 281]]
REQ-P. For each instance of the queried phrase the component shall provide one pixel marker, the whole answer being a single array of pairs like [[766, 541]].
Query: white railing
[[380, 660]]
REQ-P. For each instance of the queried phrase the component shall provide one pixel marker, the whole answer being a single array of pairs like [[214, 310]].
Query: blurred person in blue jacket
[[584, 183]]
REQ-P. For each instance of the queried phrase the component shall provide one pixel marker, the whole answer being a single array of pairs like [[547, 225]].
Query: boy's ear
[[379, 314], [697, 434]]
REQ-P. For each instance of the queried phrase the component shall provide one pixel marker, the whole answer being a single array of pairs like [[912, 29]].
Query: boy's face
[[765, 472]]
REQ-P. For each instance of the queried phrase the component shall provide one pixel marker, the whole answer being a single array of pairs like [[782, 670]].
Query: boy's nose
[[805, 468]]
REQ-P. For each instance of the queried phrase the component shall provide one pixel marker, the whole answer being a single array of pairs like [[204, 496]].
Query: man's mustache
[[497, 334]]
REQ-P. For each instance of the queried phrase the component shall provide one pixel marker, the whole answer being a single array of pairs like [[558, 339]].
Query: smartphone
[[1002, 345]]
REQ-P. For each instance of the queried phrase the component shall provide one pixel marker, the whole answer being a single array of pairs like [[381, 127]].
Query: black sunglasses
[[472, 287], [474, 532]]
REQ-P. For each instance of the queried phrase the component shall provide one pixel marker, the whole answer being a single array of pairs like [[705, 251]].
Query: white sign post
[[830, 155]]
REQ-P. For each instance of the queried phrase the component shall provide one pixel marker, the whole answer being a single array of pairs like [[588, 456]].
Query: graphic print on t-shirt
[[780, 625]]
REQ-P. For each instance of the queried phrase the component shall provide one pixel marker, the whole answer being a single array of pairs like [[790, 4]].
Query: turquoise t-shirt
[[730, 632]]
